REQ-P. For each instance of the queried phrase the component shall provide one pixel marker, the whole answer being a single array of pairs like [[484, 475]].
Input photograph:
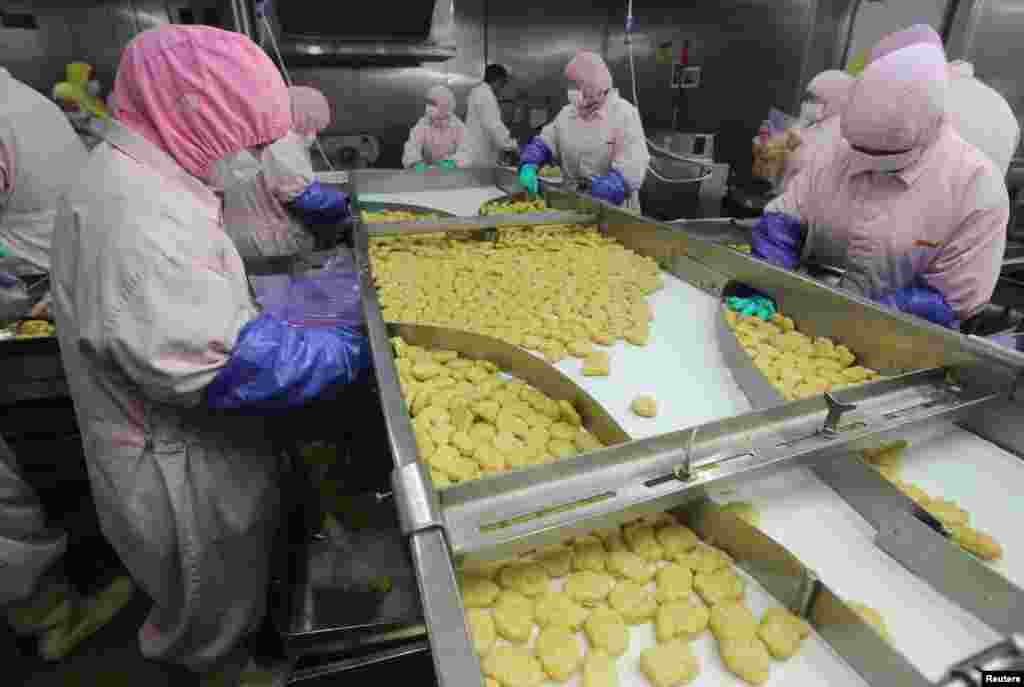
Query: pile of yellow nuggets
[[556, 290], [471, 420], [887, 459], [795, 364], [516, 207]]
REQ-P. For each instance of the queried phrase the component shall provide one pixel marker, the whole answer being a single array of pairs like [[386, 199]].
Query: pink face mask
[[883, 164]]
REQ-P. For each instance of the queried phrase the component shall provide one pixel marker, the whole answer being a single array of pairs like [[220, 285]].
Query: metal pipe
[[846, 28]]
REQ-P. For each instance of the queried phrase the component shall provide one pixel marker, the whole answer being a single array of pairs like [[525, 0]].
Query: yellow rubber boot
[[49, 606], [88, 616]]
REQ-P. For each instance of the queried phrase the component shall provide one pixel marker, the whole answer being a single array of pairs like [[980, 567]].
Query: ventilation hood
[[380, 31]]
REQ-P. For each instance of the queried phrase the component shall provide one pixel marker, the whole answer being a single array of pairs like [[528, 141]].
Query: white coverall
[[42, 154], [256, 186], [982, 116], [615, 139], [486, 135], [150, 295]]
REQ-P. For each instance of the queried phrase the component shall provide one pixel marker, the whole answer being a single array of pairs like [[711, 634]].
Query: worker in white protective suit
[[979, 113], [598, 138], [36, 598], [159, 336], [39, 155], [487, 137], [266, 212]]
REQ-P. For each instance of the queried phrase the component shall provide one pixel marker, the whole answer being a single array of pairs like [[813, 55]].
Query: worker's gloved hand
[[921, 301], [528, 178], [611, 187], [276, 366], [320, 204], [779, 239], [447, 164], [536, 153], [421, 167], [752, 306]]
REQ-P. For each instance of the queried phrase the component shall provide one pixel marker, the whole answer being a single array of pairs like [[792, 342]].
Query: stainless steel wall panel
[[37, 57], [751, 54]]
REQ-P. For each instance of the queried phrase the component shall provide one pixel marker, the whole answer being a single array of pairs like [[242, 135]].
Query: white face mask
[[432, 111], [812, 112]]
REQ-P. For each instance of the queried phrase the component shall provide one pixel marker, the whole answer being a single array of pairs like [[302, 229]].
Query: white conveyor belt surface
[[462, 203], [683, 368]]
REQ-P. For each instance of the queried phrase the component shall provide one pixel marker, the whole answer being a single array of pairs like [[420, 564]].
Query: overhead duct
[[385, 31]]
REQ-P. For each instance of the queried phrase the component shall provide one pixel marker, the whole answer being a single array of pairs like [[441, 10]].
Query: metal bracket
[[684, 471], [836, 408], [1006, 655], [415, 499]]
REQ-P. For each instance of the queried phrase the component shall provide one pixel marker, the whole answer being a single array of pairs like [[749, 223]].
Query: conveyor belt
[[684, 370]]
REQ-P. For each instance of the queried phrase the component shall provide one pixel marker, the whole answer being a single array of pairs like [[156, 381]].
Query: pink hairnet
[[899, 102], [912, 35], [832, 88], [200, 94], [590, 73], [310, 111], [443, 99]]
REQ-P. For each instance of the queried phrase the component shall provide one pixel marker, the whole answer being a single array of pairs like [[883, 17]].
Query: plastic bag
[[325, 297]]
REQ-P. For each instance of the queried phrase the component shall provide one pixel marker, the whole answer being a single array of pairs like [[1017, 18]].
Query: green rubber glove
[[421, 167], [447, 164], [528, 178], [754, 306]]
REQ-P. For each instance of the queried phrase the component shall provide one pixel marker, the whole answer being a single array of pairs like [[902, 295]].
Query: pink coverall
[[941, 218], [439, 133]]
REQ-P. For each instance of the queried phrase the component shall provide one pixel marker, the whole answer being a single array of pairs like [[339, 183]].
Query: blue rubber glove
[[528, 178], [611, 187], [447, 164], [536, 153], [320, 204], [752, 306], [276, 366], [778, 239], [921, 301], [421, 167]]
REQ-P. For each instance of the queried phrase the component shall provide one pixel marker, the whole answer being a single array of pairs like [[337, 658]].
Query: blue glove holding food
[[921, 301], [611, 187], [321, 204], [752, 306], [276, 366], [534, 155], [778, 239]]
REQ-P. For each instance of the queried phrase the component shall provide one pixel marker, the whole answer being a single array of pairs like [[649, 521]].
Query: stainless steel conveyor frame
[[932, 374]]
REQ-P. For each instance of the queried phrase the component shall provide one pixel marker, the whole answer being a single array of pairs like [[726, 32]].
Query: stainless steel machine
[[832, 531]]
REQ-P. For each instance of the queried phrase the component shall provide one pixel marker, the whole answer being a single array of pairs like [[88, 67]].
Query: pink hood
[[200, 94], [590, 74], [899, 102], [832, 88], [310, 111], [444, 100], [912, 35]]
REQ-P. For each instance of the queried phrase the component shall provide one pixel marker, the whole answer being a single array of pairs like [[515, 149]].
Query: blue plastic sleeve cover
[[276, 366], [611, 187], [536, 152], [320, 204], [922, 301], [779, 239]]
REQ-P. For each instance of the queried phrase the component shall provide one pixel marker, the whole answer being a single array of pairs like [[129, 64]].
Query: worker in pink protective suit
[[260, 187], [827, 94], [915, 215], [437, 136], [979, 113], [598, 138], [39, 155], [159, 337]]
